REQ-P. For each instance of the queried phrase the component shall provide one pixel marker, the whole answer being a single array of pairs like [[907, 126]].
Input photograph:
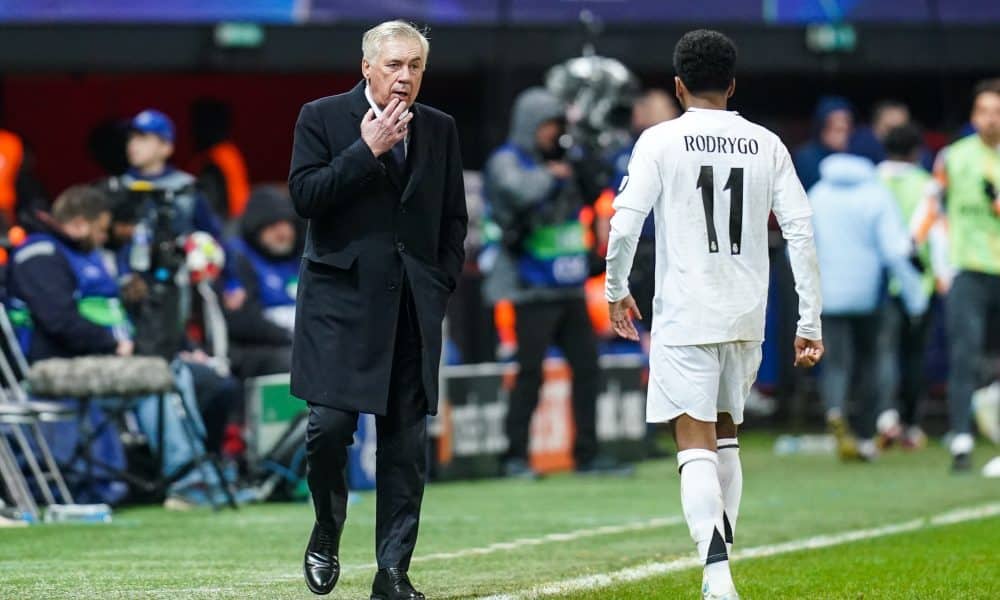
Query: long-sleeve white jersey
[[712, 178]]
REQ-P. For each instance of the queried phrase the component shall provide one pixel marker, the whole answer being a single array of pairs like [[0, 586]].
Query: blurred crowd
[[907, 229], [200, 268]]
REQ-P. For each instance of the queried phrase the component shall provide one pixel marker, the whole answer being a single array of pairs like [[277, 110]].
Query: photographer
[[165, 205], [156, 205], [541, 267]]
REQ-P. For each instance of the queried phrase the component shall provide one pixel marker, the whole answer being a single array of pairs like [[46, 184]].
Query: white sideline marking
[[568, 536], [538, 541], [631, 574]]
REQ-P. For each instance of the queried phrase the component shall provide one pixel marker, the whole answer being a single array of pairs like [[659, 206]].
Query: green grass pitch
[[508, 538]]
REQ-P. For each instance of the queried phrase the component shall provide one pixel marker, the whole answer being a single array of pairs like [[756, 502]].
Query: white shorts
[[701, 381]]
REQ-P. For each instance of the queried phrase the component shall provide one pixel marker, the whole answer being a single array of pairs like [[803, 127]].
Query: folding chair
[[20, 414], [10, 471]]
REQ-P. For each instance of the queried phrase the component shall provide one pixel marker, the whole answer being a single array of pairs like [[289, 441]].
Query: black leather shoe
[[321, 566], [393, 584], [961, 463]]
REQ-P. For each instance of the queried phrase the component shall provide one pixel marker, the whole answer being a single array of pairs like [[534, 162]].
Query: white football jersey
[[712, 179]]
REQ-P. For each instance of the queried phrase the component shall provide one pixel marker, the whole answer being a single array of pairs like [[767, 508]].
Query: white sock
[[962, 443], [731, 480], [701, 498]]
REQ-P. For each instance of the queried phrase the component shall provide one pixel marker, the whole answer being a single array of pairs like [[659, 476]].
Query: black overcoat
[[370, 223]]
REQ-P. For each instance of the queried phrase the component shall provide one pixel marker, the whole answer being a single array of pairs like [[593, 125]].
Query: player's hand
[[808, 352], [382, 133], [125, 348], [622, 312], [560, 169]]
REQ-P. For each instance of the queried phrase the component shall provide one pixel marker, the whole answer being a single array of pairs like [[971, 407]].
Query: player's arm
[[637, 192], [791, 207]]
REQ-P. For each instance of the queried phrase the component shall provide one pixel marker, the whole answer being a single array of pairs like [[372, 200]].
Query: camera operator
[[164, 204], [154, 206], [541, 267]]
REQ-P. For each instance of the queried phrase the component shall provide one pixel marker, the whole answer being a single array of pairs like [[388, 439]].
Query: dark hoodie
[[248, 324], [523, 194], [809, 155]]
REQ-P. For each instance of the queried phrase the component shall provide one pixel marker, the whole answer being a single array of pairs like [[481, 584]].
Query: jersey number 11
[[706, 182]]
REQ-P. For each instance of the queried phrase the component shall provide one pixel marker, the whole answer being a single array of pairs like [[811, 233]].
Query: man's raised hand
[[384, 132]]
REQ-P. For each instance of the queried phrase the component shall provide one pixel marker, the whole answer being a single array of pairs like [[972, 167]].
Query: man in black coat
[[379, 178]]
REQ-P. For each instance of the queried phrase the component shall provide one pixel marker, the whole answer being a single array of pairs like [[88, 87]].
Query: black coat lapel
[[359, 103], [417, 153]]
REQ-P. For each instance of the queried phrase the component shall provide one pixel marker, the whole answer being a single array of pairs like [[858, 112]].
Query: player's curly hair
[[705, 61]]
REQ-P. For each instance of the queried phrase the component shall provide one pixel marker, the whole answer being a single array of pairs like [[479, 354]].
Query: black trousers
[[401, 456], [219, 399], [971, 300], [567, 324], [849, 368], [901, 356]]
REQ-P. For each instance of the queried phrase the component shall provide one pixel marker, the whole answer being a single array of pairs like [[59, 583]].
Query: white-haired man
[[380, 179]]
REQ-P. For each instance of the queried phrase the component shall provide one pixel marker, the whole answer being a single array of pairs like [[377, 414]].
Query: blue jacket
[[49, 279], [859, 234]]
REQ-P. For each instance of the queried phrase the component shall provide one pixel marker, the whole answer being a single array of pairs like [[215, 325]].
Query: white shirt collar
[[712, 110]]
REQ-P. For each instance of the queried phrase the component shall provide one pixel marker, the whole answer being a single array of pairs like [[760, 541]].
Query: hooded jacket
[[523, 196], [250, 324], [808, 156], [859, 233]]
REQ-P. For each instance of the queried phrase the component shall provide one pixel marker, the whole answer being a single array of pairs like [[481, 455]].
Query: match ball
[[204, 257]]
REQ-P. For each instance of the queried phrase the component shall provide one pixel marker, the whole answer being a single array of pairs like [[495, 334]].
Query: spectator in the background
[[63, 303], [161, 316], [969, 172], [859, 234], [150, 146], [219, 165], [542, 265], [833, 123], [870, 141], [266, 257], [21, 194], [11, 160], [63, 297], [904, 338]]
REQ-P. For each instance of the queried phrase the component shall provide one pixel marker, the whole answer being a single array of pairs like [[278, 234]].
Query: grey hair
[[371, 43]]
